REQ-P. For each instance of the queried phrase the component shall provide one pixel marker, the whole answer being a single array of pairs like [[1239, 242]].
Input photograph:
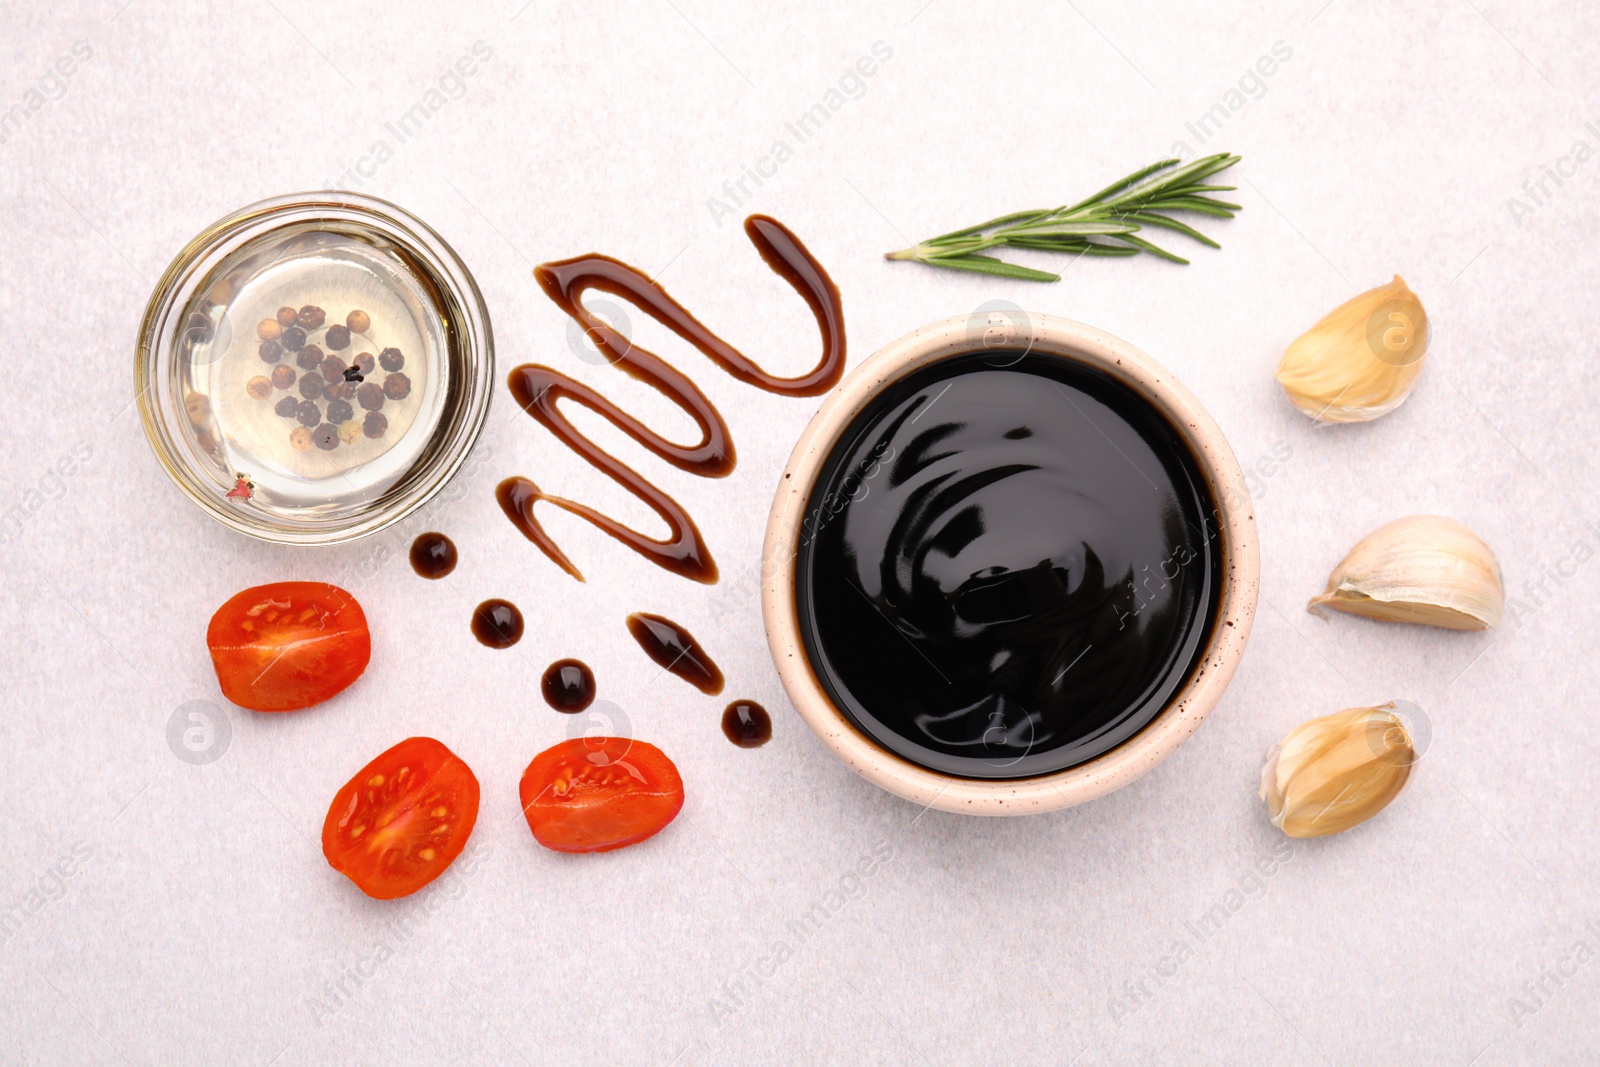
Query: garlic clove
[[1332, 773], [1425, 569], [1361, 360]]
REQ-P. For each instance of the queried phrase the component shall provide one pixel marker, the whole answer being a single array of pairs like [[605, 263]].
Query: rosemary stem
[[1105, 223]]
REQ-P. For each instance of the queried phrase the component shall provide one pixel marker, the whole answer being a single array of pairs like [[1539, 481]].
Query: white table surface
[[200, 923]]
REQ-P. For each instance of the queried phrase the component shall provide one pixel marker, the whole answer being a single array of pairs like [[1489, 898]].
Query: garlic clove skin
[[1332, 773], [1361, 360], [1425, 569]]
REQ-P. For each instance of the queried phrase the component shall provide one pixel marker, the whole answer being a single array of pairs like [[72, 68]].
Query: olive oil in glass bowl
[[314, 367]]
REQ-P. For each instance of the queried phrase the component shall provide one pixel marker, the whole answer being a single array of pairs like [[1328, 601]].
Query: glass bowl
[[314, 367]]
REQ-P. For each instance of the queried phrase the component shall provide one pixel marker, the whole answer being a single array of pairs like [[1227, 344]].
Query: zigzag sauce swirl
[[538, 389]]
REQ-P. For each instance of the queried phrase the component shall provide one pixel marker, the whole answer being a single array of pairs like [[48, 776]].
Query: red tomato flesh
[[594, 794], [288, 645], [402, 819]]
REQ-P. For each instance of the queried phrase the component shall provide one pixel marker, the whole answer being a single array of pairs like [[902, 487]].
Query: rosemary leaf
[[990, 265], [1077, 229], [1110, 250], [1145, 246], [1082, 248], [1150, 218], [1197, 203]]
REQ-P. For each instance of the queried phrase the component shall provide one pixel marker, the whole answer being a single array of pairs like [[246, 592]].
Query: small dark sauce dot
[[568, 685], [747, 724], [433, 555], [497, 623]]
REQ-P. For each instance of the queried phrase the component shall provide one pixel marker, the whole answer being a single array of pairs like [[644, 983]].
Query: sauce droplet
[[676, 650], [568, 685], [747, 724], [433, 555], [497, 623]]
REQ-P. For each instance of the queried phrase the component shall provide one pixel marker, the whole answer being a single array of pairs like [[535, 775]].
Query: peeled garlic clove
[[1425, 569], [1361, 360], [1338, 771]]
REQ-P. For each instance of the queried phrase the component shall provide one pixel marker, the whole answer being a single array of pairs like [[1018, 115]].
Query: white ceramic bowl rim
[[1214, 668]]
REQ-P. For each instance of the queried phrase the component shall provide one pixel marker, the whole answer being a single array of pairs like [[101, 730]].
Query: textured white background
[[205, 921]]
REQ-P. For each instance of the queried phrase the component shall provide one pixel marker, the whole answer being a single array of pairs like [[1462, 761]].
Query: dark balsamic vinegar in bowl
[[1008, 565]]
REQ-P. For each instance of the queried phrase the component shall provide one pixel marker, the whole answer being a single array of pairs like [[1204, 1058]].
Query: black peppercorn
[[340, 411], [310, 386], [370, 396], [333, 369], [397, 386], [308, 414], [374, 425], [391, 359], [364, 363], [325, 437], [338, 338], [270, 351], [282, 376], [288, 407], [311, 317], [292, 339], [310, 357]]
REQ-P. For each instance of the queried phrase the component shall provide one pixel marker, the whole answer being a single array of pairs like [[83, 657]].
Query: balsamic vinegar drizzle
[[538, 389], [676, 650]]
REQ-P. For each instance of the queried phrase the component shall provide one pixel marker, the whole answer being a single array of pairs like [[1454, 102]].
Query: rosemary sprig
[[1103, 225]]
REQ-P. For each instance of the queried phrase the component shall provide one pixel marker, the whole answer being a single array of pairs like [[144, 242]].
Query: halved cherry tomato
[[594, 794], [288, 645], [402, 819]]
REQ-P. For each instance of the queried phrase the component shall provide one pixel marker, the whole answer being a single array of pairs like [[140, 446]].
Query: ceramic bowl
[[1214, 665]]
